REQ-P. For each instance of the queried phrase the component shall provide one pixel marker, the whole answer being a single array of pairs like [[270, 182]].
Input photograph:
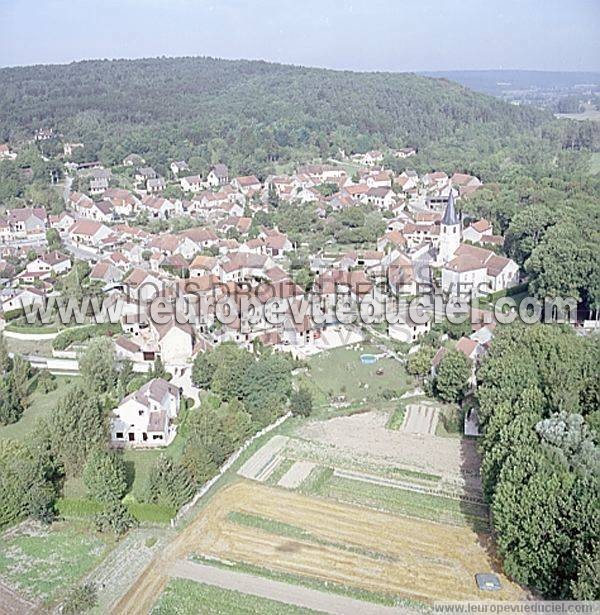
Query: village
[[223, 251]]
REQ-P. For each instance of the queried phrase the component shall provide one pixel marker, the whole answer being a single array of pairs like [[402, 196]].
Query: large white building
[[145, 418]]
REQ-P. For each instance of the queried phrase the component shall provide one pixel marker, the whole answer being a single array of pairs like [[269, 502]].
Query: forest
[[257, 115]]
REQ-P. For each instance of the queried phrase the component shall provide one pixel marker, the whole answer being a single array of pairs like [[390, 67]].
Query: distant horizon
[[381, 36], [297, 65]]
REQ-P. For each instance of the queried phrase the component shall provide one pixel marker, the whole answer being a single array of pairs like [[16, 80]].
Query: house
[[203, 265], [124, 202], [382, 198], [133, 160], [178, 166], [175, 340], [89, 232], [143, 174], [405, 152], [50, 262], [192, 183], [69, 148], [98, 186], [98, 210], [203, 237], [27, 221], [246, 184], [146, 417], [63, 222], [142, 285], [126, 349], [465, 183], [372, 158], [155, 184], [23, 298], [159, 207], [218, 176], [477, 230], [105, 271]]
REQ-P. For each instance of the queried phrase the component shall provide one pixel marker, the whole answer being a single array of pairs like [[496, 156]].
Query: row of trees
[[539, 397]]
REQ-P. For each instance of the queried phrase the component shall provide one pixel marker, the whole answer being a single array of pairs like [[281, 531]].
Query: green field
[[339, 372], [41, 406], [185, 597], [44, 562], [400, 501]]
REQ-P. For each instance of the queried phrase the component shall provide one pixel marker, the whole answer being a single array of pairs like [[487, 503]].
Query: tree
[[11, 409], [115, 517], [97, 366], [540, 457], [18, 379], [25, 485], [452, 376], [46, 381], [158, 369], [203, 369], [5, 362], [301, 402], [198, 462], [169, 484], [53, 239], [104, 476], [419, 363], [80, 599], [78, 425]]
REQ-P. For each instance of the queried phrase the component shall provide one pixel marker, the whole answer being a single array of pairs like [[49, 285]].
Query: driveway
[[182, 378]]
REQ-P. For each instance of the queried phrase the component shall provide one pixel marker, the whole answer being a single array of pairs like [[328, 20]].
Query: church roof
[[450, 216]]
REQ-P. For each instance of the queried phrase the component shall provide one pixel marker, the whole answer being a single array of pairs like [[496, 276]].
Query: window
[[119, 435]]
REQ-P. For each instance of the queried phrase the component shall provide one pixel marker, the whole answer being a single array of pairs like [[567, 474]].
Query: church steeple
[[450, 216], [450, 231]]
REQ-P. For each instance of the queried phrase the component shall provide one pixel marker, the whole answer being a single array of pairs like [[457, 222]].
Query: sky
[[385, 35]]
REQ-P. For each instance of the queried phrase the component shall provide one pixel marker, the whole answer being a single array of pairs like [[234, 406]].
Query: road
[[282, 592]]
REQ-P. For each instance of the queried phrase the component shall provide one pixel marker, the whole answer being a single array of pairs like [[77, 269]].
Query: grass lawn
[[43, 348], [595, 163], [340, 372], [44, 562], [139, 464], [189, 598], [41, 405]]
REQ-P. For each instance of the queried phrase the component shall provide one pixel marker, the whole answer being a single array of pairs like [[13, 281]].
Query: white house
[[51, 262], [478, 230], [146, 417], [192, 183], [89, 232]]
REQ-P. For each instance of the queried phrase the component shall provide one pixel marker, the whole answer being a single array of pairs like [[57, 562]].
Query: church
[[467, 270]]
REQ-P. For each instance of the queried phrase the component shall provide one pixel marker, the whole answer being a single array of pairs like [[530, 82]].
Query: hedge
[[81, 334], [79, 508]]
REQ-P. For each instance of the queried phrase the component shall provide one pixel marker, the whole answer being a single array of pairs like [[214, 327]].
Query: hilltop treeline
[[256, 114]]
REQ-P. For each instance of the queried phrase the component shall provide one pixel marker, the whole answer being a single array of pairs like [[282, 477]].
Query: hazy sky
[[396, 35]]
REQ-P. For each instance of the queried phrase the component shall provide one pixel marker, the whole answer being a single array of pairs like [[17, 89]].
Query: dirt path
[[282, 592], [12, 603]]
